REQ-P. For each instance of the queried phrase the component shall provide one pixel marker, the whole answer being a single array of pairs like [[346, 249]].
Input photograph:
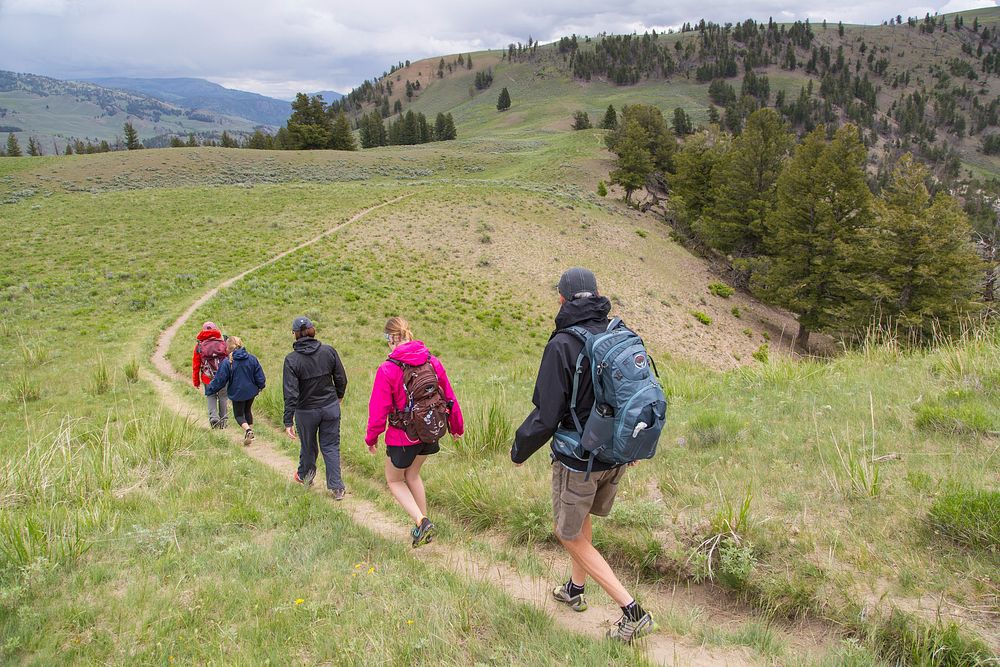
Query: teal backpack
[[630, 408]]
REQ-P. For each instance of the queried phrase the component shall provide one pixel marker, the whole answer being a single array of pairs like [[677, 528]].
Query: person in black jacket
[[314, 382], [575, 495]]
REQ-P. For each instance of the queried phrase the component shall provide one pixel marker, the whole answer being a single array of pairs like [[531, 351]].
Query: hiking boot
[[338, 494], [213, 423], [628, 630], [248, 437], [422, 534], [307, 480], [574, 602]]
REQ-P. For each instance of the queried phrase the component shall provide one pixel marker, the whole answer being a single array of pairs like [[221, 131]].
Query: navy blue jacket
[[243, 376]]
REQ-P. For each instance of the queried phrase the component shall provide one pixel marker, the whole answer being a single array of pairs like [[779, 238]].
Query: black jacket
[[313, 377], [554, 386]]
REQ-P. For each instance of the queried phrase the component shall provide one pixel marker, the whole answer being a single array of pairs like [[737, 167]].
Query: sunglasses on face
[[388, 337]]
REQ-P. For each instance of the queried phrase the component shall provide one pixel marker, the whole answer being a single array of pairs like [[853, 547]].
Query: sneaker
[[338, 494], [248, 437], [307, 480], [628, 630], [574, 602], [422, 534]]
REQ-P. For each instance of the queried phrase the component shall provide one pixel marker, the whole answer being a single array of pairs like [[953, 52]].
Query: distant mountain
[[328, 95], [203, 95], [55, 111]]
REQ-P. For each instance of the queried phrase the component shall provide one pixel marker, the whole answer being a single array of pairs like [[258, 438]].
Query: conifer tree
[[581, 120], [69, 149], [309, 126], [191, 141], [34, 149], [813, 234], [744, 185], [929, 271], [176, 142], [692, 193], [503, 101], [610, 120], [227, 140], [682, 123], [13, 147], [341, 136], [131, 137], [635, 162]]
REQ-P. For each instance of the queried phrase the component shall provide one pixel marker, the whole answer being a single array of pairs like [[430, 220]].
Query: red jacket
[[197, 377]]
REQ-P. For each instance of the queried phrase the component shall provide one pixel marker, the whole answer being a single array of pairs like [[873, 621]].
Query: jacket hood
[[209, 334], [306, 345], [582, 311], [241, 354], [411, 353]]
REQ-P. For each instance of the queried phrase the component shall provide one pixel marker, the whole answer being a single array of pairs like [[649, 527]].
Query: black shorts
[[403, 457]]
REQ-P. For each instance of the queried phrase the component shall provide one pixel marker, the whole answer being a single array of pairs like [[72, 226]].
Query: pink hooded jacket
[[388, 394]]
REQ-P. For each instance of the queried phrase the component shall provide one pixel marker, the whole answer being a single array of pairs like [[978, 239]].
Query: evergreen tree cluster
[[624, 59], [802, 228], [484, 79], [313, 125], [407, 129]]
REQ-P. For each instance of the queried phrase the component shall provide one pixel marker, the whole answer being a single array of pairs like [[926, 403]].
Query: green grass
[[971, 518]]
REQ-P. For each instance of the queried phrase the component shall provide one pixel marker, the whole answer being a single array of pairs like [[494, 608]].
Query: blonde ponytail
[[398, 330]]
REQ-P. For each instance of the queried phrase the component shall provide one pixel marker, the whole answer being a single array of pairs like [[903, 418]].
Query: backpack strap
[[584, 336]]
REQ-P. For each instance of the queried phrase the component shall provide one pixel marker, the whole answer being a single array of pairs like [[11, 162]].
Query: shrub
[[642, 233], [969, 517], [721, 289], [761, 354], [737, 313], [602, 189], [701, 317]]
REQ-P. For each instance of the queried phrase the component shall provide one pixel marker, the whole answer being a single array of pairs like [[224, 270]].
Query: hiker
[[314, 382], [582, 484], [209, 352], [411, 391], [240, 375]]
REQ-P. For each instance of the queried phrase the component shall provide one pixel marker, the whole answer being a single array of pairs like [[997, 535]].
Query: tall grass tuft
[[131, 370], [102, 380], [32, 355], [712, 428], [489, 432], [161, 436], [25, 389]]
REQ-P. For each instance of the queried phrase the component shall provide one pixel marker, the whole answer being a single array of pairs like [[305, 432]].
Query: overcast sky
[[280, 47]]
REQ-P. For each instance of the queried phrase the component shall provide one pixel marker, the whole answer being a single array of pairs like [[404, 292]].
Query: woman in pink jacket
[[408, 445]]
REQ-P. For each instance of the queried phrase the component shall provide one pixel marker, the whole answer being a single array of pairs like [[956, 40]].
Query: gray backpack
[[630, 408]]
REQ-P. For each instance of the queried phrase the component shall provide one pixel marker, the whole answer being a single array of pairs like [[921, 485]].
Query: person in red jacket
[[208, 354], [405, 454]]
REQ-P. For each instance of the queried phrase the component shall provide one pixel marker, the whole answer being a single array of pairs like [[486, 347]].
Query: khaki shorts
[[573, 498]]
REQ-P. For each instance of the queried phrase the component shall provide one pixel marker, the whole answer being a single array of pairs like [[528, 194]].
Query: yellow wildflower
[[299, 601]]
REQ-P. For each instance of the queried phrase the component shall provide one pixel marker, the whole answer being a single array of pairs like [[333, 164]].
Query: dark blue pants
[[319, 431]]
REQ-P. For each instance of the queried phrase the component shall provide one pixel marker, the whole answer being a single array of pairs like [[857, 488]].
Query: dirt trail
[[660, 648]]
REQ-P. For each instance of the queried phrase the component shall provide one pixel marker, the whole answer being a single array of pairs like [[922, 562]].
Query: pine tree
[[610, 120], [341, 136], [69, 149], [813, 234], [34, 149], [744, 185], [692, 194], [581, 120], [131, 137], [309, 126], [929, 271], [191, 141], [503, 101], [13, 147], [176, 142], [227, 140], [682, 123], [635, 162], [661, 141]]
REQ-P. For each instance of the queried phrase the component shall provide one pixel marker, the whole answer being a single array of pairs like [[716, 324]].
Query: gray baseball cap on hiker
[[300, 323], [577, 283]]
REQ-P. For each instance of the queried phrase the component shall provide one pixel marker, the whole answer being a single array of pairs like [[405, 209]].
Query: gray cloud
[[280, 48]]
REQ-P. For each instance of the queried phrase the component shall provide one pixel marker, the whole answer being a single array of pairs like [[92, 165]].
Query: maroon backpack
[[212, 352], [424, 418]]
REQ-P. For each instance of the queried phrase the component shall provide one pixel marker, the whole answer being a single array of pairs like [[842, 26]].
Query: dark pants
[[322, 425], [242, 413]]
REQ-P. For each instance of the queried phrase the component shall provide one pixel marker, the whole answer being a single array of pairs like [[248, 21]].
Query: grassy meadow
[[808, 511]]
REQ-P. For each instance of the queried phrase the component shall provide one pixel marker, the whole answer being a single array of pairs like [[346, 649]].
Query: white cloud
[[964, 5]]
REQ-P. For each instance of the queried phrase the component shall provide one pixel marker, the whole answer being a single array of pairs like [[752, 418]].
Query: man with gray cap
[[577, 493], [314, 382]]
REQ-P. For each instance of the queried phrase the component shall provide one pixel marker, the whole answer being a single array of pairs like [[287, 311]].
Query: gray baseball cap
[[301, 322], [577, 283]]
